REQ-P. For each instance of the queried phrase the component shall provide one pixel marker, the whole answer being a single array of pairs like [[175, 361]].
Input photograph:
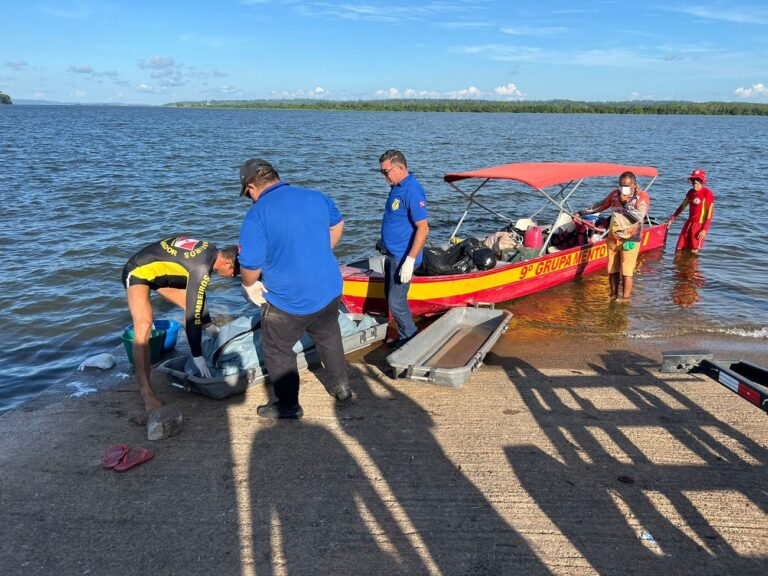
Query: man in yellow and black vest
[[179, 269]]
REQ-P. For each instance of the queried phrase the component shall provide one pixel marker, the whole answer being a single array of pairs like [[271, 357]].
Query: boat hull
[[363, 290]]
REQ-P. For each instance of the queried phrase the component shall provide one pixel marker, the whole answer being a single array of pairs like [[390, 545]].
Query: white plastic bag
[[105, 361]]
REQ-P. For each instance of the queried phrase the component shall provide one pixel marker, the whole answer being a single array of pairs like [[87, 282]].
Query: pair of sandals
[[122, 458]]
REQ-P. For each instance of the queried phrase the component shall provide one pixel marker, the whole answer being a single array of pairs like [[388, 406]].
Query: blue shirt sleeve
[[417, 205], [253, 241], [334, 213]]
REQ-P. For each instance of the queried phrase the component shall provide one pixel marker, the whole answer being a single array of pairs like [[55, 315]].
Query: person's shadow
[[313, 510], [457, 528]]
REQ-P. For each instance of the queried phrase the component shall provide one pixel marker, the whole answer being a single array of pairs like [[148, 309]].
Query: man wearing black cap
[[288, 267]]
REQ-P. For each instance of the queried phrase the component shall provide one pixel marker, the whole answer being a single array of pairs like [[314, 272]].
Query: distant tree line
[[538, 106], [5, 99]]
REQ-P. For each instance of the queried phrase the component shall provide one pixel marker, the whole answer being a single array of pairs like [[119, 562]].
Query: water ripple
[[83, 188]]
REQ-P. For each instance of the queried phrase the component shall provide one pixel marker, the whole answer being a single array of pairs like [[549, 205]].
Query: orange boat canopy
[[543, 174]]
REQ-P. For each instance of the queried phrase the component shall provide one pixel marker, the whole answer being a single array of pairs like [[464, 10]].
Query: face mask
[[626, 190]]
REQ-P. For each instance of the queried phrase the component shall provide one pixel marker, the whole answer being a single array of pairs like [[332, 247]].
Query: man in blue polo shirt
[[288, 266], [404, 230]]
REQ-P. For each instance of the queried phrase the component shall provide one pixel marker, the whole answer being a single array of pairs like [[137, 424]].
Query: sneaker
[[342, 392], [399, 343], [275, 411]]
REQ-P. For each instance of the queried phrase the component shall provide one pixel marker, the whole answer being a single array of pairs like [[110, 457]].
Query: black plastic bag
[[456, 259], [438, 261], [484, 258]]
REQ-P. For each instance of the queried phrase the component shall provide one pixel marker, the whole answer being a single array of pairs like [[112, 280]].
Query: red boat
[[364, 280]]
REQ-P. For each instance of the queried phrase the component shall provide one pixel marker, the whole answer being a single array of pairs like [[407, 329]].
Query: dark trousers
[[279, 333]]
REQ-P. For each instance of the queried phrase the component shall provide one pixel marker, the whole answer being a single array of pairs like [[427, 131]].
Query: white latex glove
[[202, 366], [406, 270], [255, 293], [212, 331]]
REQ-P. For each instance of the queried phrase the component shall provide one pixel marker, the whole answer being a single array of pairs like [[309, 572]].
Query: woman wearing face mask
[[630, 203]]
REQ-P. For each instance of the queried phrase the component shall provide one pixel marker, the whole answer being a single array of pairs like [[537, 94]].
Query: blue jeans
[[397, 298]]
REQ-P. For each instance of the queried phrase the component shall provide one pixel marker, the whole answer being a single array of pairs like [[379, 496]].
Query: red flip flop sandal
[[133, 458], [113, 455]]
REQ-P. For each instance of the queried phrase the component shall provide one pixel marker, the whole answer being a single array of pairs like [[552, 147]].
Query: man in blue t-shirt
[[288, 266], [404, 230]]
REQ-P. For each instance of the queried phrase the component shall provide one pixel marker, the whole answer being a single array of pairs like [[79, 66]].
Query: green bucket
[[155, 344]]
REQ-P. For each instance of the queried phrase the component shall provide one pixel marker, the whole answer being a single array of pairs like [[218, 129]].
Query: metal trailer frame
[[746, 379]]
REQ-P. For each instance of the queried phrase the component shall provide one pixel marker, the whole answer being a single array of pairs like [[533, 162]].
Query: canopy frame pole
[[473, 200], [561, 206], [647, 214]]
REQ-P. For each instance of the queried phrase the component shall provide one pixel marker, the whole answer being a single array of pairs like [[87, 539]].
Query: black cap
[[251, 169]]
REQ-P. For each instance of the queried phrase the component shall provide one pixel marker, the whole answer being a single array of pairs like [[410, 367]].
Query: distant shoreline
[[492, 106]]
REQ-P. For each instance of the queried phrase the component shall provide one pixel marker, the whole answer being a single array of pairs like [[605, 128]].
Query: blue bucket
[[171, 329]]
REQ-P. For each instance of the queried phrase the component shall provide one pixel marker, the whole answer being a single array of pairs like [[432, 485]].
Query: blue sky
[[163, 51]]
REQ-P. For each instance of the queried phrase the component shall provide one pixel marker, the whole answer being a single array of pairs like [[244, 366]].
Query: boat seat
[[524, 223], [564, 222]]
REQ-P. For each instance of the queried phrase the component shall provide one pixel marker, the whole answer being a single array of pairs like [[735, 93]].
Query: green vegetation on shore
[[5, 99], [549, 106]]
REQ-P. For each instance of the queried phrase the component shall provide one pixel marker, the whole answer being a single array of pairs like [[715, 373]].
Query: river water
[[83, 188]]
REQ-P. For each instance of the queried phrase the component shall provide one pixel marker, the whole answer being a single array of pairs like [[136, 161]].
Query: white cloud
[[227, 89], [219, 73], [80, 94], [17, 65], [114, 74], [367, 12], [463, 25], [146, 88], [540, 31], [510, 90], [388, 93], [746, 15], [165, 69], [81, 69], [466, 93], [385, 13], [77, 12], [758, 90], [409, 93], [209, 41], [501, 52], [318, 92], [38, 96], [193, 72], [158, 63]]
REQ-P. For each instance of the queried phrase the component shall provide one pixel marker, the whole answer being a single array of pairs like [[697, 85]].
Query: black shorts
[[130, 280]]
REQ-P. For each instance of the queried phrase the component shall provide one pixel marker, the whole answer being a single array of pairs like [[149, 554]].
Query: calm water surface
[[83, 188]]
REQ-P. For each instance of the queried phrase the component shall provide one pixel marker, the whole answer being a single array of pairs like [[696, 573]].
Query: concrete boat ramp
[[556, 459]]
